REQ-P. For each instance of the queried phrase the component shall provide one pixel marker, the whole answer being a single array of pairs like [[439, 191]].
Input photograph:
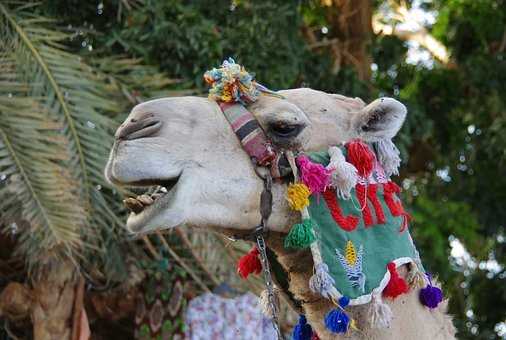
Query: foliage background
[[453, 143]]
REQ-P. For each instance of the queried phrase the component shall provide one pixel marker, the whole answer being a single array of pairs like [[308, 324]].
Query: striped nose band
[[248, 131]]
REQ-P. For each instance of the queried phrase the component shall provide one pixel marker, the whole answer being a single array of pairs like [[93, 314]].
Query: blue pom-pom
[[431, 296], [344, 301], [302, 330], [337, 321]]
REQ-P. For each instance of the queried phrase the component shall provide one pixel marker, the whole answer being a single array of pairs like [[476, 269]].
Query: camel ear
[[380, 120]]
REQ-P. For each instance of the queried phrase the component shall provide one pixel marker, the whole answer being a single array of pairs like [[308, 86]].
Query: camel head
[[186, 145]]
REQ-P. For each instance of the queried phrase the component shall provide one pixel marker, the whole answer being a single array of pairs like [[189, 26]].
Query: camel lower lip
[[138, 223]]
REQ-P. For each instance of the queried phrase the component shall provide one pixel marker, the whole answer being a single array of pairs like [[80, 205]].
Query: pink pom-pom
[[314, 175]]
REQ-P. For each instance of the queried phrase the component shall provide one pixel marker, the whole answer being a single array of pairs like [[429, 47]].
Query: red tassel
[[361, 157], [249, 264], [396, 286]]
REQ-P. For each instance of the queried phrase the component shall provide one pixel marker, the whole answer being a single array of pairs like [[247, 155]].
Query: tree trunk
[[52, 311], [349, 35], [351, 22]]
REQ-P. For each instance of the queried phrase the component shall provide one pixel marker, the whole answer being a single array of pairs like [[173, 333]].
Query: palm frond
[[71, 95], [43, 190], [135, 81]]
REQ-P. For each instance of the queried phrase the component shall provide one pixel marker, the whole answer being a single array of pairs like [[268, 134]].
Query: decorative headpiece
[[233, 88], [231, 83]]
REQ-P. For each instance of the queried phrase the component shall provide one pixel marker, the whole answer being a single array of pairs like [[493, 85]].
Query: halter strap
[[254, 140], [248, 131], [233, 88]]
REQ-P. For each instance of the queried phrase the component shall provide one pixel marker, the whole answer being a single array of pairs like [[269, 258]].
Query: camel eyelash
[[285, 130]]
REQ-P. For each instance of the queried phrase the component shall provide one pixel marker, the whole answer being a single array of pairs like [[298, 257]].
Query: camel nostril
[[139, 128]]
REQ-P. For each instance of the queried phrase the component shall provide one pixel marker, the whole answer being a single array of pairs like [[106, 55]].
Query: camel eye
[[284, 130]]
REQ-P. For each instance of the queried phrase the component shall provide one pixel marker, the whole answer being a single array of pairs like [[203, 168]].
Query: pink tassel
[[313, 175]]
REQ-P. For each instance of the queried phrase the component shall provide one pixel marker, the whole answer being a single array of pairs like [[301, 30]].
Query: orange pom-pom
[[396, 286], [249, 264]]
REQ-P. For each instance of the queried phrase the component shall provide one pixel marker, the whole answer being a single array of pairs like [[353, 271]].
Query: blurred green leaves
[[60, 168], [187, 39]]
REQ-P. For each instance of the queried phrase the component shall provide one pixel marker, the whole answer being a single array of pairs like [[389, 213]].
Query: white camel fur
[[186, 144]]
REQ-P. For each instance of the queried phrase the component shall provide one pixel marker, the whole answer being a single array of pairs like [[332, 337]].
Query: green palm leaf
[[40, 187], [69, 97]]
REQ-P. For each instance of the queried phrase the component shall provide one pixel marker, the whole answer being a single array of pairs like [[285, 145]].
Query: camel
[[186, 145]]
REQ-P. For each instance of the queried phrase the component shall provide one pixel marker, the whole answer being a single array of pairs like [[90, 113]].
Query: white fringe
[[344, 174], [321, 282], [381, 314], [265, 306], [388, 156]]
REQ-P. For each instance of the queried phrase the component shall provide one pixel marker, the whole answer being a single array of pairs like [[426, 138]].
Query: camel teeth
[[133, 205], [145, 199], [163, 189], [156, 196]]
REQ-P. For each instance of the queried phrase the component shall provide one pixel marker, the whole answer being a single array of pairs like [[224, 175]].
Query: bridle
[[269, 163], [232, 87]]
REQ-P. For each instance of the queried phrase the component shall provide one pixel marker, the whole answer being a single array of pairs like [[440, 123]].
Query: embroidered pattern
[[371, 217], [352, 264], [348, 223], [369, 194], [372, 195], [364, 206], [395, 205]]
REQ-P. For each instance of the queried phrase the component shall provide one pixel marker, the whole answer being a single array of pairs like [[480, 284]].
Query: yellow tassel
[[351, 254], [298, 196]]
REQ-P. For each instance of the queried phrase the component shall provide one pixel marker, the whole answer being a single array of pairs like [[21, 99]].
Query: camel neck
[[291, 269]]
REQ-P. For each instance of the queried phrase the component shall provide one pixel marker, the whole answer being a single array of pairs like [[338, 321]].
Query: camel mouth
[[154, 197]]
